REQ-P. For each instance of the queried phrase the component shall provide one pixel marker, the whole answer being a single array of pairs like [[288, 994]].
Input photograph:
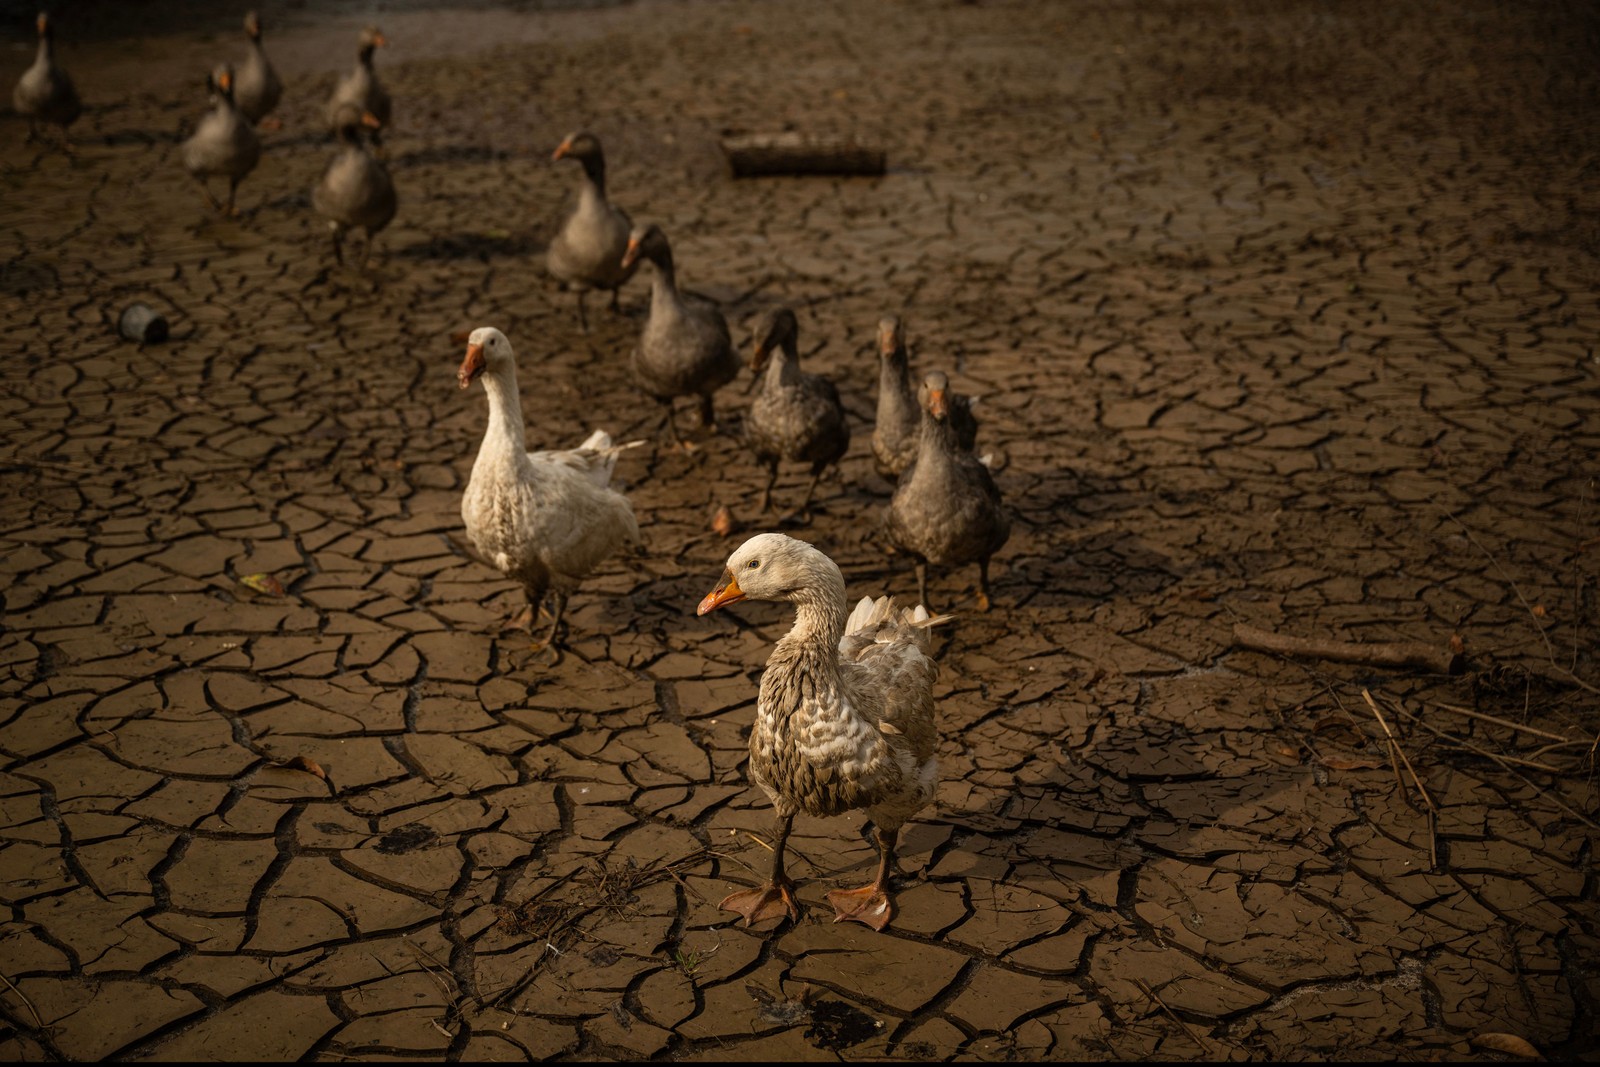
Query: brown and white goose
[[844, 718], [587, 251], [45, 92], [256, 88], [684, 348], [796, 416], [898, 427], [545, 519], [946, 510], [360, 88], [356, 189], [223, 145]]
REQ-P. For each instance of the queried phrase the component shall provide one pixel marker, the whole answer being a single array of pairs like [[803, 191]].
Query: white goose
[[844, 719], [545, 519]]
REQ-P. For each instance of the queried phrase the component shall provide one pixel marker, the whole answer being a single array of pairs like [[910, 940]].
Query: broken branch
[[759, 154], [1371, 653]]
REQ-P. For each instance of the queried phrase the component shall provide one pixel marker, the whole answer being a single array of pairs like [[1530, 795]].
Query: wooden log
[[1371, 653], [753, 155]]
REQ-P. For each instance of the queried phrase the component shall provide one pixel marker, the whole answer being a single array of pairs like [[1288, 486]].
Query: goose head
[[581, 145], [221, 82], [349, 121], [648, 242], [371, 38], [774, 329], [488, 351], [934, 395], [891, 338], [772, 566], [252, 25], [42, 24]]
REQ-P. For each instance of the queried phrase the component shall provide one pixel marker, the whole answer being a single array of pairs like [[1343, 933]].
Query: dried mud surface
[[1280, 313]]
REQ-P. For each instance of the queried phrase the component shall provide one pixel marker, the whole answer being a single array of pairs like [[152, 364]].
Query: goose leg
[[616, 308], [583, 316], [708, 416], [772, 479], [366, 251], [558, 605], [773, 900], [33, 131], [870, 904], [922, 583], [983, 585], [337, 233], [233, 187], [668, 427], [805, 505], [205, 190]]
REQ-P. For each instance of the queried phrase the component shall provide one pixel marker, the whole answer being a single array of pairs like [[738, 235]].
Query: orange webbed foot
[[771, 901], [869, 904]]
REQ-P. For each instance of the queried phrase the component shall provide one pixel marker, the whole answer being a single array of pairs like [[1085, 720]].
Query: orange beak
[[225, 82], [726, 592], [561, 150], [379, 40], [370, 120], [631, 256], [472, 367], [937, 404]]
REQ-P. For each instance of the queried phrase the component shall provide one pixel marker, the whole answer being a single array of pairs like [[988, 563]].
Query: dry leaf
[[1538, 611], [310, 766], [1510, 1044], [722, 521], [263, 583], [1457, 645]]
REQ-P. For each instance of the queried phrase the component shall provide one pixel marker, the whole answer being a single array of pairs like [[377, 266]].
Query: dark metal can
[[142, 323]]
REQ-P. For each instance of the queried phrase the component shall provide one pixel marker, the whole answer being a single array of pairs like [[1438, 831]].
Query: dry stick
[[1371, 653], [1158, 1002], [1506, 764], [1507, 723], [1497, 757], [38, 1023], [1549, 649], [1395, 749]]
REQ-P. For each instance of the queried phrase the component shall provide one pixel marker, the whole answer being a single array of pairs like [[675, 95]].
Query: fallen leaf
[[1510, 1044], [722, 522], [262, 583], [301, 763], [1457, 645], [1538, 611]]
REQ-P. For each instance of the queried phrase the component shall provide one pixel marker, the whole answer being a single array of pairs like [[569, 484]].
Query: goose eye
[[753, 564]]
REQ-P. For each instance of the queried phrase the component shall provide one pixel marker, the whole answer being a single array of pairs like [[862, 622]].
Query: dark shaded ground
[[1280, 313]]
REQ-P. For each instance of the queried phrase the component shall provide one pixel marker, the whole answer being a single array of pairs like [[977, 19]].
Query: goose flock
[[845, 712]]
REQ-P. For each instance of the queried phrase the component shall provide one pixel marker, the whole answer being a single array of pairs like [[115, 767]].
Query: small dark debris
[[403, 839]]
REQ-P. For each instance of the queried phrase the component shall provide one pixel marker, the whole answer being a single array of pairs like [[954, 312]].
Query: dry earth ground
[[1280, 313]]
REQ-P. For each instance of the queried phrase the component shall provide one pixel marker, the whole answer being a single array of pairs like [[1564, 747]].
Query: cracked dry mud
[[1281, 313]]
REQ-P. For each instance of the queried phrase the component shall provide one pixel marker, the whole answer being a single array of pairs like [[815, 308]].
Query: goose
[[844, 716], [256, 89], [898, 427], [223, 144], [946, 509], [796, 416], [684, 349], [587, 252], [45, 92], [360, 88], [544, 519], [356, 189]]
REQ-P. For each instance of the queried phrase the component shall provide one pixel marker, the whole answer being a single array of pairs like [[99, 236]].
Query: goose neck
[[505, 410]]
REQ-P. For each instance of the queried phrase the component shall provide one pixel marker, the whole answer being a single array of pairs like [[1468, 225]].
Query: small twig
[[1158, 1002], [38, 1023], [1506, 723], [758, 841], [1370, 653], [1396, 750], [1468, 745]]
